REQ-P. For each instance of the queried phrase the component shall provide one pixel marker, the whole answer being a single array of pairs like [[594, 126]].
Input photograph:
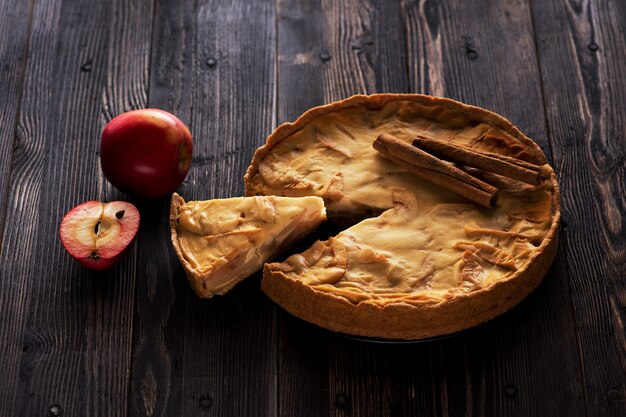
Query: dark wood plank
[[71, 327], [36, 319], [329, 51], [483, 64], [15, 26], [332, 50], [160, 289], [484, 54], [112, 310], [213, 65], [582, 52], [15, 21]]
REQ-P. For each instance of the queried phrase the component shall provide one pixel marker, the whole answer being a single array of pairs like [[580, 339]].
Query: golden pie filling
[[413, 256], [332, 156], [421, 244]]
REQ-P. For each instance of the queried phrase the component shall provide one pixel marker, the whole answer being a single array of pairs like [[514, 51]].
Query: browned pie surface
[[430, 245], [330, 155]]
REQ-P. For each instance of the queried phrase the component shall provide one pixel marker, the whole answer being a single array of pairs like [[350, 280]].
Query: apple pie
[[221, 242], [418, 260]]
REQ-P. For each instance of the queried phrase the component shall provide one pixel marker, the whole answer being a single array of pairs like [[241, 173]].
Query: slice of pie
[[425, 261], [221, 242]]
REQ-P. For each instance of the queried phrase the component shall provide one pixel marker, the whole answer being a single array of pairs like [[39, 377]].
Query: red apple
[[98, 234], [146, 152]]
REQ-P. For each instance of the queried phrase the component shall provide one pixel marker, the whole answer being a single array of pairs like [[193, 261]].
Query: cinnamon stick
[[433, 169], [497, 164]]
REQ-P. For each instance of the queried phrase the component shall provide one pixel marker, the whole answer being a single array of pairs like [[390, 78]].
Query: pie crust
[[425, 262]]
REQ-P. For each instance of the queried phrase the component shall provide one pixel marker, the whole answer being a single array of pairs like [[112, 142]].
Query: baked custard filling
[[416, 256], [429, 244], [332, 156]]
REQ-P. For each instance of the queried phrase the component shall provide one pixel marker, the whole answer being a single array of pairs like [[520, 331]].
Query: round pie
[[418, 260]]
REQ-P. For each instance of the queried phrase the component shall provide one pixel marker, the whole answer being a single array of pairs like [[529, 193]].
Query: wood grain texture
[[302, 56], [45, 315], [157, 332], [70, 325], [111, 309], [15, 22], [213, 64], [15, 26], [484, 54], [582, 52], [329, 51], [479, 53]]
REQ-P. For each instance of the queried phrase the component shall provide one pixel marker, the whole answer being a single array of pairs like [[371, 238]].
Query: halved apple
[[98, 234]]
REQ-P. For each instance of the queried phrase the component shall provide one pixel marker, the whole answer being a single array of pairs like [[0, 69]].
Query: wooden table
[[136, 341]]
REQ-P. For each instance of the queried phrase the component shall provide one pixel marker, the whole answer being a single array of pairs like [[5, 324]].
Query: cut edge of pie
[[416, 319], [221, 242]]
